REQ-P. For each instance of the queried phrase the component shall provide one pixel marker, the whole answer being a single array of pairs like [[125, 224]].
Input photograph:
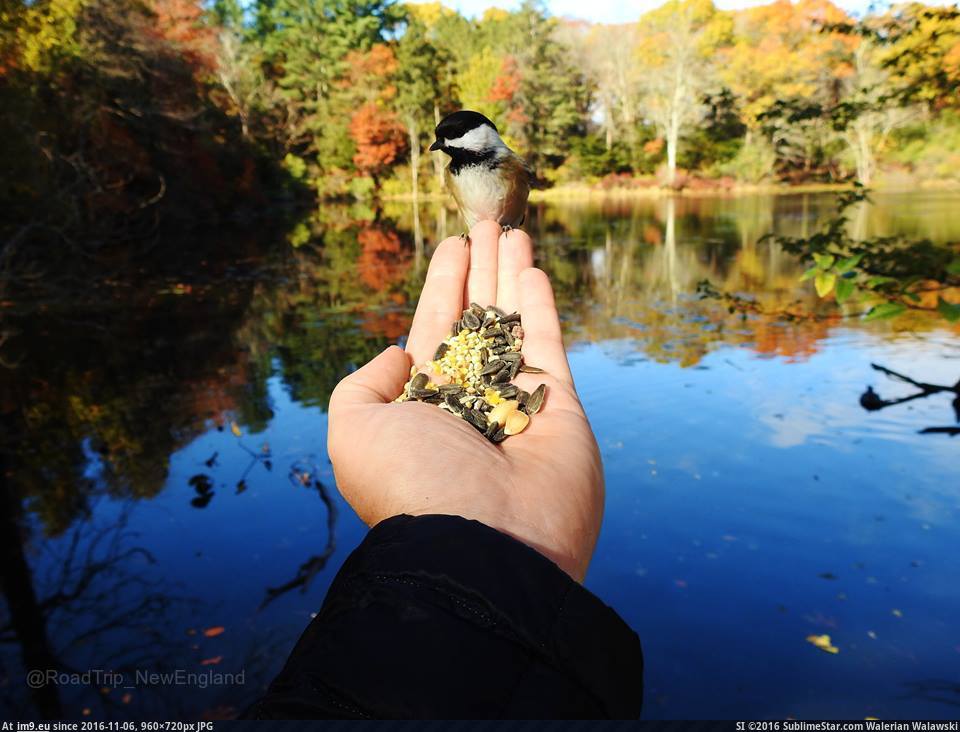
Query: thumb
[[380, 381]]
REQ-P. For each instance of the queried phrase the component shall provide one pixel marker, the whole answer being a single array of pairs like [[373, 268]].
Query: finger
[[516, 255], [379, 381], [482, 279], [542, 340], [441, 300]]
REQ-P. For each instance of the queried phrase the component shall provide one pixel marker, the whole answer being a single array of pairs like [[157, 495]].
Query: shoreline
[[586, 192]]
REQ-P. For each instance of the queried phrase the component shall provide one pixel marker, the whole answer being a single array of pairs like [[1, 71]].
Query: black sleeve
[[441, 617]]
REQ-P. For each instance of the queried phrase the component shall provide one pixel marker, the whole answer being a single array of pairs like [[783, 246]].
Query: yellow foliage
[[823, 643], [779, 52], [429, 13], [47, 34]]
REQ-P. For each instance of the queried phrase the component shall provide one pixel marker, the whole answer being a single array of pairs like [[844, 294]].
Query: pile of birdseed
[[471, 371]]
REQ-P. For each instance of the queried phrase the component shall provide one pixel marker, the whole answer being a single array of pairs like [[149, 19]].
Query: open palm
[[543, 487]]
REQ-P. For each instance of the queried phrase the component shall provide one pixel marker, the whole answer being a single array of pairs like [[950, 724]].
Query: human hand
[[544, 487]]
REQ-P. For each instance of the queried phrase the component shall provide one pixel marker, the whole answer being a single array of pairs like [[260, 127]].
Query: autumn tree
[[307, 43], [379, 139], [420, 82], [676, 41]]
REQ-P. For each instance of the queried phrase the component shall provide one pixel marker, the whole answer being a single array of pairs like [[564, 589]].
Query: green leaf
[[949, 310], [954, 267], [845, 289], [885, 310], [845, 265], [812, 272], [824, 283], [824, 261], [879, 280]]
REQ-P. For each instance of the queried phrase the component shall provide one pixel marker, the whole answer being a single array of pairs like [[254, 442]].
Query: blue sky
[[618, 11]]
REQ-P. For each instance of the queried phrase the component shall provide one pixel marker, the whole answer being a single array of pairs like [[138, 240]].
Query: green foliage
[[893, 274]]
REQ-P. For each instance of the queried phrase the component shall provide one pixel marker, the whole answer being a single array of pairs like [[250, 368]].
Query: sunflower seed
[[511, 356], [441, 351], [522, 397], [499, 436], [511, 318], [478, 310], [470, 320], [536, 399], [492, 429], [454, 389], [491, 332], [476, 419], [493, 367], [453, 403], [497, 311], [455, 328], [507, 391], [423, 394], [527, 369], [489, 319], [502, 377], [514, 370], [419, 382]]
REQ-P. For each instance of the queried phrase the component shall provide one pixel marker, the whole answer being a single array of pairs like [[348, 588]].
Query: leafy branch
[[892, 273]]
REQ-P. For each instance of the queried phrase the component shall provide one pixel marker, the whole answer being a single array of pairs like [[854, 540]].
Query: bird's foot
[[465, 238], [505, 229]]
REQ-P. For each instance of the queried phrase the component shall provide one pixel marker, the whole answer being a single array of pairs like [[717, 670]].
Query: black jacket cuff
[[442, 617]]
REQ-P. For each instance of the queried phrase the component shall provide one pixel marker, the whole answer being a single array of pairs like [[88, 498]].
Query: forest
[[117, 114]]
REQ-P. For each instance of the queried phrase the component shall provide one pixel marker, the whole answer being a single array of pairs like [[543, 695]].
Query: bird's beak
[[437, 145]]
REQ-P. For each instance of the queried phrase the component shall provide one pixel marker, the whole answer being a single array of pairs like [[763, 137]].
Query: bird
[[488, 180]]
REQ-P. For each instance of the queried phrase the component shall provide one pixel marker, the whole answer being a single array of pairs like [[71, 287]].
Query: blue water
[[751, 501]]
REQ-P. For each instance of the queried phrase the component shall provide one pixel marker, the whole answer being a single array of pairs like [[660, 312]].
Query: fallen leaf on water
[[86, 711], [896, 612], [126, 698], [823, 643], [235, 429], [241, 487], [214, 631], [211, 661]]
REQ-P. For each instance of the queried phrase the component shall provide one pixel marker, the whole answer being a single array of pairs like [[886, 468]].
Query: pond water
[[169, 505]]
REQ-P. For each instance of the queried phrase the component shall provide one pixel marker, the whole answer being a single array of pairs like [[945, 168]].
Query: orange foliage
[[390, 324], [383, 260], [379, 137], [654, 146], [379, 61], [181, 22], [796, 342], [507, 83]]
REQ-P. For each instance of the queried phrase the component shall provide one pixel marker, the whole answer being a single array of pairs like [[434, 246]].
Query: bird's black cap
[[458, 124]]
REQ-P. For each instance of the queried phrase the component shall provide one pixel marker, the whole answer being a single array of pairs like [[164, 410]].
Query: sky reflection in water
[[751, 501]]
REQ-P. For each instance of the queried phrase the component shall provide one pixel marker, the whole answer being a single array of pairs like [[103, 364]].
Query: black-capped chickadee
[[488, 179]]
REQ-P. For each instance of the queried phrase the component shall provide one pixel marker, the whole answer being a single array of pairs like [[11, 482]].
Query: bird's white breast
[[482, 191]]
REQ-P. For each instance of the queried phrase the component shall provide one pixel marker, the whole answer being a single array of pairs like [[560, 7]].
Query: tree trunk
[[414, 132], [437, 159], [673, 133], [864, 154], [27, 620]]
